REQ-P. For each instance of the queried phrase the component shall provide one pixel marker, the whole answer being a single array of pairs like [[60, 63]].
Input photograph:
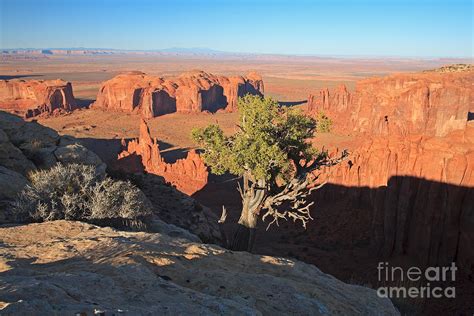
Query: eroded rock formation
[[414, 169], [403, 104], [34, 97], [188, 175], [140, 273], [194, 91]]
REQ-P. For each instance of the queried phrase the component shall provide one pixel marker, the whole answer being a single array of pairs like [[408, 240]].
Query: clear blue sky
[[395, 28]]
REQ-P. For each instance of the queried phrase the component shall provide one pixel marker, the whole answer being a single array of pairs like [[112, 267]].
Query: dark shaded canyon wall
[[420, 192]]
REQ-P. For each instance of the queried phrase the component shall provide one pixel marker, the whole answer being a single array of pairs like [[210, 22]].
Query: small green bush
[[324, 123], [79, 192]]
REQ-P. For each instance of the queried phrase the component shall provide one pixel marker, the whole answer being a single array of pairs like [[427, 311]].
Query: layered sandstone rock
[[423, 103], [414, 168], [188, 175], [34, 97], [194, 91], [68, 268]]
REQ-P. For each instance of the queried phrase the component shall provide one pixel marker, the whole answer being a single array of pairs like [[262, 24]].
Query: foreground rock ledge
[[66, 267]]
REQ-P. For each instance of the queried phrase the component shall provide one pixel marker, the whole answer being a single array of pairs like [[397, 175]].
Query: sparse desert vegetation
[[82, 193], [324, 123]]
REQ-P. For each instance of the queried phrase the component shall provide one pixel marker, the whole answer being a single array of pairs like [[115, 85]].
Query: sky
[[354, 28]]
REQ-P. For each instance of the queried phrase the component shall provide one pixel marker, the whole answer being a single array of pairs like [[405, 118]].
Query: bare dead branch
[[221, 222], [223, 215], [293, 195]]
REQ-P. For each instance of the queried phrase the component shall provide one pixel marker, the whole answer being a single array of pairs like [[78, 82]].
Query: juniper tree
[[272, 154]]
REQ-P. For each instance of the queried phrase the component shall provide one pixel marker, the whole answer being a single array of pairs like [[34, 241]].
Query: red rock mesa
[[34, 97], [189, 175], [415, 167], [194, 91]]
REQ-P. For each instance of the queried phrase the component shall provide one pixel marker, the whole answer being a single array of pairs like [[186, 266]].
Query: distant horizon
[[209, 51], [403, 29]]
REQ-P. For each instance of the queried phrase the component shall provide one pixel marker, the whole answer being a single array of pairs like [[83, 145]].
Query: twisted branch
[[295, 192]]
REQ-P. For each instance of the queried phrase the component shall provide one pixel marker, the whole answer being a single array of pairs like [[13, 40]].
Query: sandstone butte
[[415, 167], [191, 92], [35, 97], [189, 175]]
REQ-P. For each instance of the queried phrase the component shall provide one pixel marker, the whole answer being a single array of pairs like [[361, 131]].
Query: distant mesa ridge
[[109, 51]]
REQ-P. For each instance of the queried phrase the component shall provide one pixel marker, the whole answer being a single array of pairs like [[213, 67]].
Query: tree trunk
[[244, 236], [252, 196]]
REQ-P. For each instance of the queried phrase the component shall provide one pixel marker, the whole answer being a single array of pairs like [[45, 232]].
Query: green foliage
[[270, 141], [324, 123]]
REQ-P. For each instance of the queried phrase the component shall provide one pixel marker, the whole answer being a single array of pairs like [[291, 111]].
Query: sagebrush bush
[[79, 192], [324, 123]]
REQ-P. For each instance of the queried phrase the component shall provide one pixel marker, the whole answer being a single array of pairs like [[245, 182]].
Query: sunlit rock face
[[431, 104], [35, 97], [191, 92], [189, 175], [148, 274]]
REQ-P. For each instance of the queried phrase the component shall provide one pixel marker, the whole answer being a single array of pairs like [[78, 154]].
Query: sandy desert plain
[[334, 241]]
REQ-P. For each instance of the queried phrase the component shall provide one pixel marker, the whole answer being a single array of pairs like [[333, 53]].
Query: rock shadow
[[291, 103]]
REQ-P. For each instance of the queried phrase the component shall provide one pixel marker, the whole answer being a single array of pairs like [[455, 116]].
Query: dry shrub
[[80, 192]]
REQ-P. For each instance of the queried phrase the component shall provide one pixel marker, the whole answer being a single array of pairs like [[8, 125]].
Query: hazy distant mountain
[[191, 50], [82, 50]]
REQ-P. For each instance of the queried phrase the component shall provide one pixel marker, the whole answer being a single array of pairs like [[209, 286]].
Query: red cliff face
[[189, 175], [335, 103], [191, 92], [403, 104], [429, 103], [415, 168], [337, 100], [34, 97]]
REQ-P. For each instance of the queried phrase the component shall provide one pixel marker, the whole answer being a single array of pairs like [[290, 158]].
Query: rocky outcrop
[[424, 103], [192, 92], [337, 100], [334, 103], [91, 268], [188, 175], [27, 146], [34, 97], [414, 167]]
